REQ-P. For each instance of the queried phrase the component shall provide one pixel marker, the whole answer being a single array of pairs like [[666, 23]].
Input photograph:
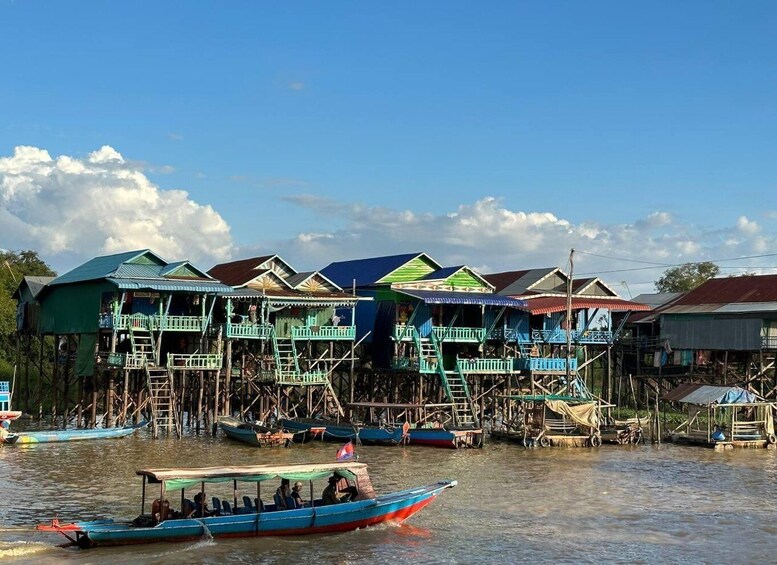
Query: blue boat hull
[[342, 517], [340, 432], [26, 438]]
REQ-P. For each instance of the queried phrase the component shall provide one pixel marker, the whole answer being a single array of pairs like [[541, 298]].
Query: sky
[[498, 135]]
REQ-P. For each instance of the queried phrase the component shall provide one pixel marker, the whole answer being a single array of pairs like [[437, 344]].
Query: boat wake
[[20, 549]]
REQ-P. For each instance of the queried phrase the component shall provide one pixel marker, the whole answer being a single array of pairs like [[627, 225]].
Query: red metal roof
[[237, 273], [760, 288], [548, 304]]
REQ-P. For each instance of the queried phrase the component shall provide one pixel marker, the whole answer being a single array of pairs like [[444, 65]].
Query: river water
[[635, 504]]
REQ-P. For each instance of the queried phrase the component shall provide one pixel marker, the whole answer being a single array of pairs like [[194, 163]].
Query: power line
[[624, 259], [659, 266]]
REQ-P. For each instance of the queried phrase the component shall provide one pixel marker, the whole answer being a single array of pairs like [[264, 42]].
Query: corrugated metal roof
[[513, 283], [549, 304], [475, 298], [98, 267], [180, 285], [441, 274], [238, 273], [132, 271], [366, 272], [758, 288], [657, 298], [690, 393]]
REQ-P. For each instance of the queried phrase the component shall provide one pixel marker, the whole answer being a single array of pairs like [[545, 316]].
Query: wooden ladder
[[164, 415]]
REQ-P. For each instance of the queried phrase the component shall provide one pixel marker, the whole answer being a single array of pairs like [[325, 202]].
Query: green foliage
[[686, 277], [14, 266]]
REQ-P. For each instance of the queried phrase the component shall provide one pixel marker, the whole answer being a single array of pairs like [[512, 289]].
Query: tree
[[686, 277], [13, 268]]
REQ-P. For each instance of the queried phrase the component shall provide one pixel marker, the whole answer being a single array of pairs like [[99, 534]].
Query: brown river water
[[635, 504]]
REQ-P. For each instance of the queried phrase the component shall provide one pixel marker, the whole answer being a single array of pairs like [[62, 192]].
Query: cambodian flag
[[345, 452]]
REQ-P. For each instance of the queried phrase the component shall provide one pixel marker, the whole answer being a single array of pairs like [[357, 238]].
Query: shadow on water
[[639, 504]]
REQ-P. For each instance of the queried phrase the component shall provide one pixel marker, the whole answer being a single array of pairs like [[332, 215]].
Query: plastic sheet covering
[[582, 414], [769, 421]]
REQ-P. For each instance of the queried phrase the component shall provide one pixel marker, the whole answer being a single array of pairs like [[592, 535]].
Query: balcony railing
[[195, 361], [546, 364], [404, 332], [769, 342], [153, 323], [309, 378], [124, 360], [248, 331], [497, 366], [459, 335], [560, 336], [327, 333], [426, 365]]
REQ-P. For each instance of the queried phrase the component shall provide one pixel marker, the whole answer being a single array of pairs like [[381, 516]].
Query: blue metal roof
[[476, 298], [443, 273], [179, 285], [366, 272]]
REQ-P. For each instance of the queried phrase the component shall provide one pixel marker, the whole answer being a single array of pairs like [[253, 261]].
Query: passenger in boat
[[201, 509], [296, 495], [282, 495], [4, 433], [329, 496], [160, 510], [345, 491]]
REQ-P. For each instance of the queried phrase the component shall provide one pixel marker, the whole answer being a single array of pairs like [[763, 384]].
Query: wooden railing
[[309, 378], [153, 323], [324, 332], [404, 332], [248, 331], [499, 366], [459, 335], [126, 360], [201, 361], [546, 364], [560, 336]]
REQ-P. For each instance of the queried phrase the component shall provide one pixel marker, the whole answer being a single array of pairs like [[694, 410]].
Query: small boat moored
[[340, 431], [53, 436], [254, 434], [360, 508]]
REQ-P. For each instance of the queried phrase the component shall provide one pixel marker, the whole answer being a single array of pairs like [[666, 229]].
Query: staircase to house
[[164, 415], [454, 382], [142, 341], [286, 364]]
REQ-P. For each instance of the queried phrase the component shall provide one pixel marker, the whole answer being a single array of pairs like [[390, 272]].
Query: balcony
[[404, 332], [459, 335], [126, 360], [427, 365], [546, 364], [560, 336], [769, 342], [324, 333], [195, 361], [153, 323], [248, 331], [305, 379], [493, 366]]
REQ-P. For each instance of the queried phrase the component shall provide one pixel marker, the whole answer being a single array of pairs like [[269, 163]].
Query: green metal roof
[[99, 267], [177, 285]]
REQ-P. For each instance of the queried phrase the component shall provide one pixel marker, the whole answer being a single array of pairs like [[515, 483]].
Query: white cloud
[[101, 204], [491, 237], [746, 226]]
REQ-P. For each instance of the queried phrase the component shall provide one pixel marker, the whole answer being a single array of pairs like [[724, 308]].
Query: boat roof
[[188, 477]]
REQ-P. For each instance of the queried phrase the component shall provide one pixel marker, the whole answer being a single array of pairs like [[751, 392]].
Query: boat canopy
[[188, 477], [689, 393], [542, 397]]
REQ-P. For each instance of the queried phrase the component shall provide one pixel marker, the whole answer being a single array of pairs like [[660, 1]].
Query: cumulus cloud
[[82, 207], [491, 237]]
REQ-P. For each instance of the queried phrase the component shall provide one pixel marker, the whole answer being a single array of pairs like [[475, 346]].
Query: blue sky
[[325, 130]]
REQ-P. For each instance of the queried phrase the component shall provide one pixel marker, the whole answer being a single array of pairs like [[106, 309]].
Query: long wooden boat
[[26, 438], [334, 431], [443, 437], [365, 509], [254, 434]]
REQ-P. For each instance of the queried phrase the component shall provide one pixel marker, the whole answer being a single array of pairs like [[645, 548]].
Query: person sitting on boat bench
[[296, 495], [329, 496], [160, 510], [332, 495], [201, 509], [283, 496]]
